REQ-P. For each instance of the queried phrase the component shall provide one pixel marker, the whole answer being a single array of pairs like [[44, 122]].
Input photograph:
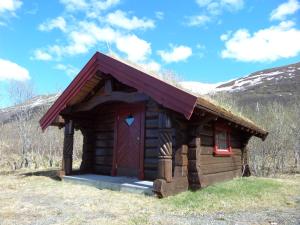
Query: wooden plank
[[151, 163], [100, 169], [207, 140], [104, 143], [151, 152], [151, 115], [103, 160], [104, 135], [151, 123], [217, 168], [151, 143], [218, 177], [103, 151], [209, 159], [151, 133], [150, 174]]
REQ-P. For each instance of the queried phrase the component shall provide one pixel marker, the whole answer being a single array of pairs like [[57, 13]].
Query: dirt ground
[[31, 199]]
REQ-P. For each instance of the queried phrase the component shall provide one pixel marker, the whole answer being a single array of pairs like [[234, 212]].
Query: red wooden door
[[129, 149]]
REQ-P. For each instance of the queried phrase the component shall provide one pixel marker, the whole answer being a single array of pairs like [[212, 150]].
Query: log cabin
[[135, 124]]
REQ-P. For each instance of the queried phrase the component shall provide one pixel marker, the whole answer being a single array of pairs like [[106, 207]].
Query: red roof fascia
[[165, 94], [74, 87]]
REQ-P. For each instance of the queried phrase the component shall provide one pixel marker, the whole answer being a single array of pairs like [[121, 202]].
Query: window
[[222, 141]]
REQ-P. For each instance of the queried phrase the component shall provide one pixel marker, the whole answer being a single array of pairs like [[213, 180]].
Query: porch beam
[[113, 96]]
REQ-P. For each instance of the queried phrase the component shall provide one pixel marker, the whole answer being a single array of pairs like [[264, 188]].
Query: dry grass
[[40, 199]]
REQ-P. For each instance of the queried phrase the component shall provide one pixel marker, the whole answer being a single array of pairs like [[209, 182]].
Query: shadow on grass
[[50, 173]]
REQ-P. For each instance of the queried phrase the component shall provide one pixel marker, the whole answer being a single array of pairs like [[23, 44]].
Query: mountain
[[280, 83], [34, 104]]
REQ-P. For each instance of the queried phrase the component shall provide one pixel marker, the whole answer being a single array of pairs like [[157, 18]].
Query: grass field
[[38, 198]]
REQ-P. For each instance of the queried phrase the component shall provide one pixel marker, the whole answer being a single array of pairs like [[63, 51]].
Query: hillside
[[280, 83], [37, 103]]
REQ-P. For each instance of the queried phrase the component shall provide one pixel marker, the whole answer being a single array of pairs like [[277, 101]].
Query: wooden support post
[[165, 155], [68, 148]]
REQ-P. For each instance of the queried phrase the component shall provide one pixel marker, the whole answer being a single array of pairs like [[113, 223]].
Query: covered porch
[[115, 183]]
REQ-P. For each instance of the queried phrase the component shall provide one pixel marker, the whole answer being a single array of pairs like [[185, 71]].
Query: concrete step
[[125, 184]]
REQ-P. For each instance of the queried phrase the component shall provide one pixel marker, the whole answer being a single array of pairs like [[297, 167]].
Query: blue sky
[[48, 42]]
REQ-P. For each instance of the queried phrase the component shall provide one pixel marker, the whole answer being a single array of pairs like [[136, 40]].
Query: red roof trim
[[165, 94]]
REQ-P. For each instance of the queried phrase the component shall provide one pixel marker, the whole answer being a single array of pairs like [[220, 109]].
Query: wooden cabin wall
[[151, 140], [152, 126], [104, 140], [205, 168]]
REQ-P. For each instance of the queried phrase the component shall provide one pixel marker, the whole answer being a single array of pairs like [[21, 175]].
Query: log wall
[[151, 140], [104, 140], [204, 167]]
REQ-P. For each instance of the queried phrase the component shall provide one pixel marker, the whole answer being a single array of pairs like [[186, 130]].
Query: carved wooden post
[[165, 148], [68, 148]]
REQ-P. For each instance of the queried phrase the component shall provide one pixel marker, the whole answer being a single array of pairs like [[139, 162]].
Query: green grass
[[240, 193]]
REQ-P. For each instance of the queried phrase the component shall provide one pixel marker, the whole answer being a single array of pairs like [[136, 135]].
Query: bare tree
[[19, 91]]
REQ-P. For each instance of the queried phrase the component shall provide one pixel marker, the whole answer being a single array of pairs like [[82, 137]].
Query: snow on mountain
[[6, 114], [269, 77], [198, 87]]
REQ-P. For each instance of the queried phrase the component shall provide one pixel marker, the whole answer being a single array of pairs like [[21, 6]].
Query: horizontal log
[[207, 140], [209, 179], [210, 159], [151, 123], [151, 163], [151, 133], [205, 132], [103, 151], [104, 135], [100, 169], [104, 143], [151, 152], [151, 115], [103, 160], [150, 174], [217, 168], [151, 143]]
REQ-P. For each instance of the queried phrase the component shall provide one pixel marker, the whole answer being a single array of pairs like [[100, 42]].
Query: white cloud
[[212, 9], [136, 49], [70, 70], [9, 5], [216, 7], [8, 9], [270, 44], [199, 20], [12, 71], [285, 9], [58, 22], [159, 15], [120, 19], [92, 8], [151, 66], [75, 5], [41, 55], [176, 54]]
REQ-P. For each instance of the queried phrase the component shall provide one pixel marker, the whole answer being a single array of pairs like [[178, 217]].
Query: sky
[[46, 43]]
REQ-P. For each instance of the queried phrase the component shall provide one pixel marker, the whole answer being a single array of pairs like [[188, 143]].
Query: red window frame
[[217, 150]]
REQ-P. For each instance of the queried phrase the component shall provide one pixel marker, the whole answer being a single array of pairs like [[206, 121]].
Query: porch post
[[165, 156], [68, 148]]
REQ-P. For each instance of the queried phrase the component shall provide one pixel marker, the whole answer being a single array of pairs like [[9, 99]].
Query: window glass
[[129, 120], [221, 138]]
